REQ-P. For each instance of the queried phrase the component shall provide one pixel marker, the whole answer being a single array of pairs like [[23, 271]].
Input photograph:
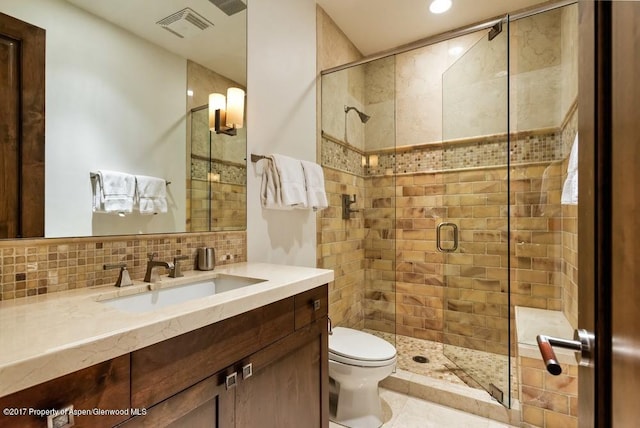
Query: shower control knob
[[583, 343]]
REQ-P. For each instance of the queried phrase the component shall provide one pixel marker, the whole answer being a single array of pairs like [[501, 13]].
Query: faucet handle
[[176, 272], [123, 277]]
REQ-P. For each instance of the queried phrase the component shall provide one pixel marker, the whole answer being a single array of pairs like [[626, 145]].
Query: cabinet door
[[206, 404], [102, 387], [287, 387], [162, 370]]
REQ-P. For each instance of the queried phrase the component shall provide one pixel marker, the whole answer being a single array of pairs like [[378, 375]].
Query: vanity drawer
[[166, 368], [311, 305], [104, 387]]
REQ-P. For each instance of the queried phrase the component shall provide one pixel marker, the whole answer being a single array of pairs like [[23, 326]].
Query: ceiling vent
[[185, 23], [230, 7]]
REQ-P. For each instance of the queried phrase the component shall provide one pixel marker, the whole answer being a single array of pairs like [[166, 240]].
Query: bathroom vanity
[[259, 360]]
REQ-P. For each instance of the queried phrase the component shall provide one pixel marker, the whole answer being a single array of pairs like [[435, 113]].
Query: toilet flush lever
[[583, 343]]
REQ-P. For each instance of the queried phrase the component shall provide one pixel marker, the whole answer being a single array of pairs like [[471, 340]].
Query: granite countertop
[[44, 337]]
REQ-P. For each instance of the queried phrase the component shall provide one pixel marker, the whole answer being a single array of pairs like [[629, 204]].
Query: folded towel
[[292, 188], [113, 192], [283, 184], [570, 188], [314, 182], [270, 195], [152, 194]]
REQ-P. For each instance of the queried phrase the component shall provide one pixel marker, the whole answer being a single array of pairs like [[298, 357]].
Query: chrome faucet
[[152, 275]]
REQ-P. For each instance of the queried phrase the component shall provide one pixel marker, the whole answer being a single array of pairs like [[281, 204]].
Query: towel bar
[[93, 175], [256, 158]]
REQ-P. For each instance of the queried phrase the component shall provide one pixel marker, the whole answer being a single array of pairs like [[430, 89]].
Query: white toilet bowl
[[357, 362]]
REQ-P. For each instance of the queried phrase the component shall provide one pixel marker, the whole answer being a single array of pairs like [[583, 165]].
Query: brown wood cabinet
[[264, 368], [102, 386]]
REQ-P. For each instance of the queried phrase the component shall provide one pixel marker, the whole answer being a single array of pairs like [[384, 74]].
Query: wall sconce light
[[226, 114]]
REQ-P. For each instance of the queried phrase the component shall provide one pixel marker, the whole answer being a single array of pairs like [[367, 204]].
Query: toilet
[[357, 362]]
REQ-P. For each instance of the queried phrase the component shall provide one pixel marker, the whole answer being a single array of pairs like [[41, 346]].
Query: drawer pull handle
[[231, 380], [62, 419], [247, 371], [316, 305]]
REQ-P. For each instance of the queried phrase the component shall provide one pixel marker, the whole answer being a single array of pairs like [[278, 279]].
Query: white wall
[[281, 117], [113, 101]]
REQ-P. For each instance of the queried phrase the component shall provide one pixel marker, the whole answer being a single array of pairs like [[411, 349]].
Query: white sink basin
[[156, 299]]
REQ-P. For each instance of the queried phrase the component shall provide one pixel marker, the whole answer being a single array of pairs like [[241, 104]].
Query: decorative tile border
[[545, 145], [231, 173], [38, 266]]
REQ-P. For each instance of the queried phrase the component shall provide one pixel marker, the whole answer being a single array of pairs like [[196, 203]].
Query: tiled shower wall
[[460, 298], [340, 242], [37, 266], [341, 248]]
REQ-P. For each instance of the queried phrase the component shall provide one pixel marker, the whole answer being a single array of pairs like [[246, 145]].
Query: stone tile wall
[[460, 298], [380, 253], [548, 401], [38, 266], [341, 248]]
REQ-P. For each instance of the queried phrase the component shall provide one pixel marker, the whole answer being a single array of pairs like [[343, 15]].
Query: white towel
[[113, 192], [570, 188], [270, 195], [152, 194], [287, 178], [314, 183]]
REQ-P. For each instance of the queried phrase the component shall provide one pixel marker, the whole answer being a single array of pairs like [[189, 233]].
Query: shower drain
[[420, 359]]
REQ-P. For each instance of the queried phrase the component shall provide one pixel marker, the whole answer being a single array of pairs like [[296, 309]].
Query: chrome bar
[[462, 31], [256, 158], [93, 176]]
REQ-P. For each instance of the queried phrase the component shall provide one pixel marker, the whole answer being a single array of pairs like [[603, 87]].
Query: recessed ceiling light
[[440, 6], [456, 50]]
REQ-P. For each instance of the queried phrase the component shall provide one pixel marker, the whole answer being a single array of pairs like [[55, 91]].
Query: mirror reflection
[[127, 90]]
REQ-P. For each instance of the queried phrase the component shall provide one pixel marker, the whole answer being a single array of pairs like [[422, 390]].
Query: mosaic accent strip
[[526, 147], [40, 266], [229, 173], [341, 157]]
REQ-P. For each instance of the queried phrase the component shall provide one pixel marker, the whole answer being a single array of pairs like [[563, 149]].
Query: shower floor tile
[[480, 368]]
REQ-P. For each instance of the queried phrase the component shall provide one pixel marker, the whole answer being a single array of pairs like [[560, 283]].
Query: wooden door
[[625, 211], [609, 217], [22, 79]]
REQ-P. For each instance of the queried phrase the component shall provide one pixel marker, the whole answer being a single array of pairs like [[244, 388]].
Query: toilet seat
[[357, 348]]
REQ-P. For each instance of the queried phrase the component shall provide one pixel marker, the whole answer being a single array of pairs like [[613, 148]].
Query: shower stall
[[458, 177]]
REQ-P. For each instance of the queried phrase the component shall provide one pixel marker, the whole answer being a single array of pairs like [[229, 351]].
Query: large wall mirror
[[127, 89]]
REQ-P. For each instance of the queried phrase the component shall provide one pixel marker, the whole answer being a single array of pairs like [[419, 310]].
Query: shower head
[[363, 117]]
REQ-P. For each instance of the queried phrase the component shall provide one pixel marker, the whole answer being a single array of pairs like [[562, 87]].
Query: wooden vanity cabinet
[[104, 386], [264, 368]]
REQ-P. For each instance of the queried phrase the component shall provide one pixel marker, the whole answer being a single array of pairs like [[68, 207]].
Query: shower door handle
[[454, 227]]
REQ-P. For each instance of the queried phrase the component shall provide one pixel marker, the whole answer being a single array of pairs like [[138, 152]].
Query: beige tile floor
[[402, 411]]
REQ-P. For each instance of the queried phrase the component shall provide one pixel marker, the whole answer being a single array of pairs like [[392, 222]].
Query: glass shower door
[[473, 234]]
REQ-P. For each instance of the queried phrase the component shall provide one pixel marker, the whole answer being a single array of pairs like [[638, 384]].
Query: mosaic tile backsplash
[[30, 267]]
